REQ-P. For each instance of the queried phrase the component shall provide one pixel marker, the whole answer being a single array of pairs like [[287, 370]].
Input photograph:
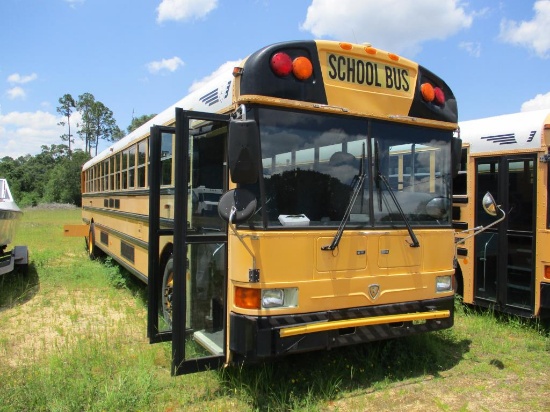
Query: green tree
[[103, 125], [84, 107], [97, 122], [138, 121], [66, 108], [11, 170], [64, 179], [35, 172]]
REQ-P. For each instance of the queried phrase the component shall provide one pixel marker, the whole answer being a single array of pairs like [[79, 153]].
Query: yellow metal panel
[[351, 254], [352, 76], [395, 251]]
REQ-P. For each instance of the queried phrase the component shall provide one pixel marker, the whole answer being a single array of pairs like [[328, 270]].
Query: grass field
[[73, 338]]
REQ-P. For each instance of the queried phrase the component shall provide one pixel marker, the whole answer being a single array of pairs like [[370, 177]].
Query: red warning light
[[439, 96], [281, 64]]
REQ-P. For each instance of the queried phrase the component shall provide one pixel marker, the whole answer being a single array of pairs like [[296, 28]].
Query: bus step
[[211, 341]]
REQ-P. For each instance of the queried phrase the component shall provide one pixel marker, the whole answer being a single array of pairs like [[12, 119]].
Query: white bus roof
[[212, 97], [508, 132]]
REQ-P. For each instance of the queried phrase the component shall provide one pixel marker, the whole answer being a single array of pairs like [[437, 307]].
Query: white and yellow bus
[[506, 268], [334, 228]]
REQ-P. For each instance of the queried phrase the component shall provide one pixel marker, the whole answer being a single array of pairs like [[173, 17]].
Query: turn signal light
[[302, 68], [247, 298], [428, 92], [547, 272]]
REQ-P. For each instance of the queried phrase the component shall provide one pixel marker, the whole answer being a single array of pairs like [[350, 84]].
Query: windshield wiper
[[380, 177], [377, 175], [415, 242], [356, 189]]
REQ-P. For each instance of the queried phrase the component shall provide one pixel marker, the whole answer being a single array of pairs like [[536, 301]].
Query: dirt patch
[[57, 320], [456, 390]]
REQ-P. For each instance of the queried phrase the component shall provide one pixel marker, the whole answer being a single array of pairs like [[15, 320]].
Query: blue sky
[[139, 57]]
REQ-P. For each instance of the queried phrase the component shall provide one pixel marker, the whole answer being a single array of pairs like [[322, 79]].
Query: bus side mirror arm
[[490, 206], [237, 206]]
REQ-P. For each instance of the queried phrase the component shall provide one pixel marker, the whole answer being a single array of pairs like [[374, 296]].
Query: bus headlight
[[279, 298], [443, 283]]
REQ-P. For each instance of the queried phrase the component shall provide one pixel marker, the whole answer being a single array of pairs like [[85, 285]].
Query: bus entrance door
[[188, 288], [504, 255]]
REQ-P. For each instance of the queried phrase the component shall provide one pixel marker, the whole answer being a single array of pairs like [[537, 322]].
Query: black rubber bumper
[[258, 338]]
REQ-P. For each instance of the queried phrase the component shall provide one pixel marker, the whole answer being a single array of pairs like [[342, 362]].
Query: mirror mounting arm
[[241, 239], [490, 206], [477, 230]]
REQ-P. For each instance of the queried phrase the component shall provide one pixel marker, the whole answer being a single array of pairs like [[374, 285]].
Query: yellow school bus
[[507, 268], [328, 168]]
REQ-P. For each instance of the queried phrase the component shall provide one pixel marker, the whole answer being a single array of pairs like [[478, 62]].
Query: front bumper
[[258, 338]]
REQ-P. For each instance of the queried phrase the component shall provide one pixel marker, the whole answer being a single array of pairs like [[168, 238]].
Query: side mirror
[[237, 205], [489, 204], [243, 151], [438, 207]]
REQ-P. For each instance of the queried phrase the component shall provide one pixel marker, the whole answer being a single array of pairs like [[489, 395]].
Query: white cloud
[[170, 65], [16, 78], [16, 93], [181, 10], [540, 101], [23, 133], [532, 34], [473, 49], [395, 25], [224, 68]]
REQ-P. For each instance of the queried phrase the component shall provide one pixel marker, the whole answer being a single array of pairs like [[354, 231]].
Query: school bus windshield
[[312, 162]]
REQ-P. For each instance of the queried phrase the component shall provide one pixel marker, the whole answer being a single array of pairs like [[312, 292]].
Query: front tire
[[458, 282], [91, 248], [167, 292]]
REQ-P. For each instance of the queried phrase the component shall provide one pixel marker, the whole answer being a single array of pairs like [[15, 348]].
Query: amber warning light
[[283, 65], [432, 94]]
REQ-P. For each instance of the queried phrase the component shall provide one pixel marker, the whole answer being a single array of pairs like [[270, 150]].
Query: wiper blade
[[415, 242], [340, 231], [356, 189], [377, 175]]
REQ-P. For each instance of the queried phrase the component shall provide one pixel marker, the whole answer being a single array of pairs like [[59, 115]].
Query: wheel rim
[[90, 243]]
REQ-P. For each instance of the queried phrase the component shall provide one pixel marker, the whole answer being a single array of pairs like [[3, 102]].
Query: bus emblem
[[374, 290]]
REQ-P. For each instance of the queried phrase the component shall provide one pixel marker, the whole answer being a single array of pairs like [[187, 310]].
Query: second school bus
[[334, 227], [507, 268]]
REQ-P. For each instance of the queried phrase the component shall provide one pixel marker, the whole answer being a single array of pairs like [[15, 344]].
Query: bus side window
[[112, 173], [124, 168], [166, 159], [142, 150], [459, 182], [132, 167], [117, 171]]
